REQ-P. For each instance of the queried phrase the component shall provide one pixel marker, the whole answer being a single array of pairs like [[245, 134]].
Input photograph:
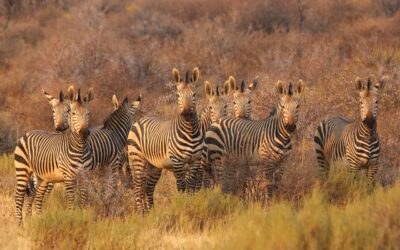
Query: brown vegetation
[[126, 47]]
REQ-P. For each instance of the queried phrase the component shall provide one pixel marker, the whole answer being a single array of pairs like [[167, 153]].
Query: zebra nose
[[84, 132]]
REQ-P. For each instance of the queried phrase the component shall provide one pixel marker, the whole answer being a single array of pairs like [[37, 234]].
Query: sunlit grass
[[342, 213]]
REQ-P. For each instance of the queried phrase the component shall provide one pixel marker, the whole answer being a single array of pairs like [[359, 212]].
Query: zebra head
[[289, 102], [217, 100], [369, 98], [242, 97], [126, 107], [79, 113], [185, 93], [60, 109]]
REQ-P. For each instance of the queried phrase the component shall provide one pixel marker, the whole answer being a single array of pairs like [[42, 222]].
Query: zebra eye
[[249, 102], [234, 103], [73, 113], [194, 94]]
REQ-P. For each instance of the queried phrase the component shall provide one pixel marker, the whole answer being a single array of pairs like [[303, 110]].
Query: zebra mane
[[273, 112], [114, 115]]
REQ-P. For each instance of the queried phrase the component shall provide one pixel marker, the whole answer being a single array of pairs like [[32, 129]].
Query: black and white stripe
[[265, 142], [356, 142], [54, 157], [170, 144]]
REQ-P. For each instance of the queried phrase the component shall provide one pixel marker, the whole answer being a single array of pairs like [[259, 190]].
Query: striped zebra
[[217, 104], [54, 157], [60, 110], [265, 142], [108, 142], [169, 144], [355, 141], [216, 108], [242, 97]]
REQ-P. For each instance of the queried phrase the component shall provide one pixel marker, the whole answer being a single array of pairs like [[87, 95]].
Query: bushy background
[[130, 47]]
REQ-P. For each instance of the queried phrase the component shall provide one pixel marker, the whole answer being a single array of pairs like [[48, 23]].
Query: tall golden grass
[[341, 214]]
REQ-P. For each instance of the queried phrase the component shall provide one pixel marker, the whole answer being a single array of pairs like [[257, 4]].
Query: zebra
[[216, 108], [242, 97], [54, 157], [154, 144], [264, 142], [217, 104], [60, 110], [355, 141], [108, 142]]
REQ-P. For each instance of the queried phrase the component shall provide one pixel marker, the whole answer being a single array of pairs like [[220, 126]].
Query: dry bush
[[126, 47]]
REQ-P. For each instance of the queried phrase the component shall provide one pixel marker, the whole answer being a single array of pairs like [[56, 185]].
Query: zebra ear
[[62, 96], [176, 76], [195, 75], [115, 102], [227, 87], [90, 95], [252, 86], [279, 87], [208, 89], [138, 103], [300, 87], [359, 84], [232, 83], [381, 84], [71, 93], [48, 96], [242, 86]]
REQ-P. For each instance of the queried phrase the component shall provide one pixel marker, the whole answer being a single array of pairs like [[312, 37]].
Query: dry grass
[[342, 214]]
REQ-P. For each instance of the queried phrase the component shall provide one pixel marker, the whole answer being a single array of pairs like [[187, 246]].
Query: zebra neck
[[119, 123], [190, 122], [205, 119], [276, 110], [282, 128], [78, 143], [365, 130]]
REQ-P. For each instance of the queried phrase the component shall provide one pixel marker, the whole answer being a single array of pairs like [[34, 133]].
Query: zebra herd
[[207, 142]]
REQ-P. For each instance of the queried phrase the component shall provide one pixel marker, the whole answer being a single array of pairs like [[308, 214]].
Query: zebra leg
[[372, 169], [70, 189], [83, 188], [23, 174], [50, 186], [269, 175], [138, 164], [195, 174], [278, 176], [216, 165], [179, 174], [40, 192], [30, 195], [229, 178], [152, 179], [128, 177]]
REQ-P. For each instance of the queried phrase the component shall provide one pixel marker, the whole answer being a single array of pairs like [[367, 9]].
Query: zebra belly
[[161, 163], [55, 176]]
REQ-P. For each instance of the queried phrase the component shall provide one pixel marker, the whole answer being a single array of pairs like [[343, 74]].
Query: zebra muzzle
[[290, 127], [84, 132]]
